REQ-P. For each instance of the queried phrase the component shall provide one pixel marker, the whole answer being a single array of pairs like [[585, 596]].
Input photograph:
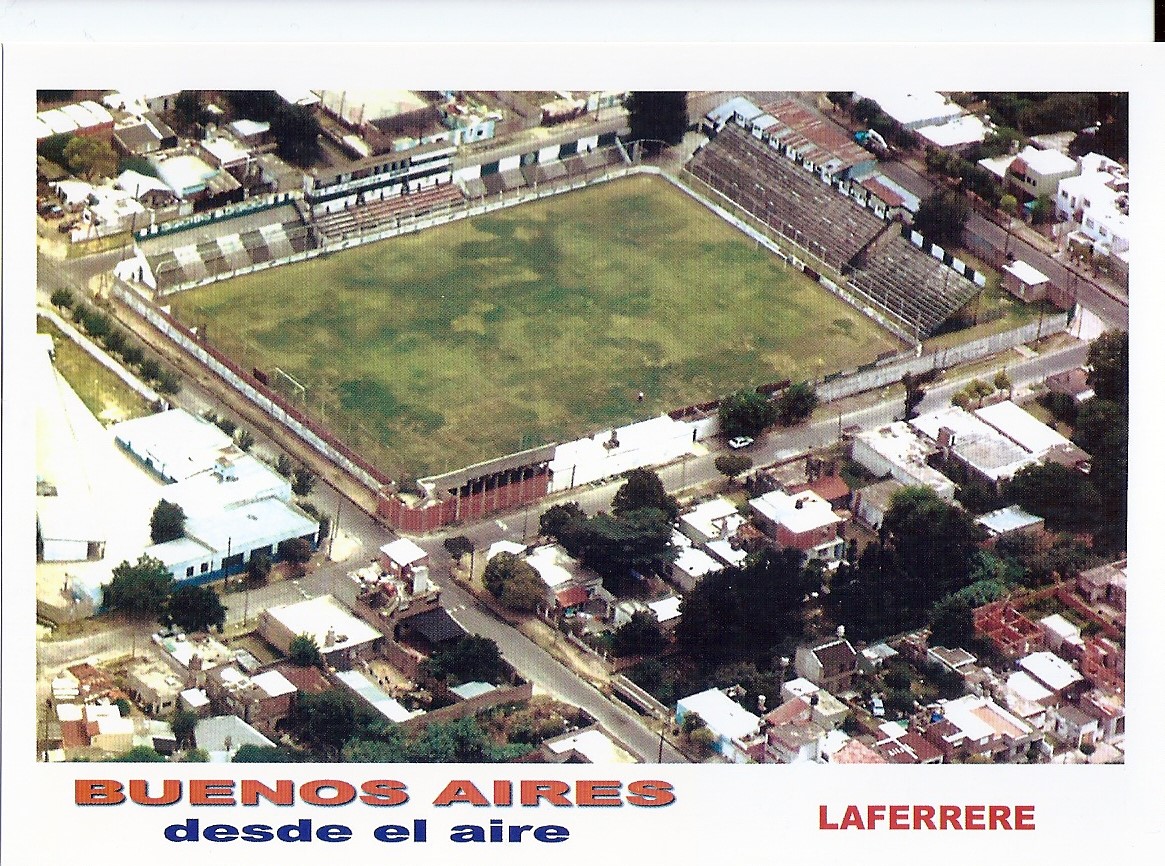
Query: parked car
[[738, 442]]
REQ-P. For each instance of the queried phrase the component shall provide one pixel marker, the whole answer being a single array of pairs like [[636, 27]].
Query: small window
[[190, 571], [204, 568]]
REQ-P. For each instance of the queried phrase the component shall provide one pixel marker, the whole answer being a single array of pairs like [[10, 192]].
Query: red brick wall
[[405, 518]]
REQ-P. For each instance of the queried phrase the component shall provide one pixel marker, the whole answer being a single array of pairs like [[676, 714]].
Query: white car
[[738, 442]]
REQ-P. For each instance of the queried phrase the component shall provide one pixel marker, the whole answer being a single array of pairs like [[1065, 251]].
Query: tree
[[194, 608], [139, 590], [643, 489], [915, 394], [524, 592], [326, 719], [258, 569], [941, 217], [167, 523], [249, 753], [284, 466], [139, 164], [507, 568], [617, 545], [297, 550], [1009, 204], [89, 157], [658, 115], [302, 481], [865, 110], [1066, 499], [731, 465], [1002, 381], [140, 755], [566, 524], [304, 652], [188, 109], [468, 659], [61, 298], [1042, 210], [183, 724], [296, 132], [458, 546], [53, 148], [952, 622], [1108, 360], [244, 438], [796, 404], [746, 413], [640, 636], [933, 540]]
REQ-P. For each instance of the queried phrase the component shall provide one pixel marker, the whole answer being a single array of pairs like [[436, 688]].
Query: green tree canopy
[[796, 403], [167, 523], [252, 754], [90, 157], [643, 489], [140, 755], [303, 651], [514, 582], [297, 133], [566, 524], [194, 608], [1108, 359], [1066, 499], [658, 115], [731, 465], [183, 723], [746, 413], [140, 589], [326, 719], [634, 541], [469, 659], [952, 623], [640, 636], [941, 217]]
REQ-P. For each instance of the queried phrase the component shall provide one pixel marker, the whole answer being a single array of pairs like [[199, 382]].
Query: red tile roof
[[571, 596]]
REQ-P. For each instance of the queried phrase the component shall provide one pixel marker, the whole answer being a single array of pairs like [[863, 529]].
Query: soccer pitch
[[539, 323]]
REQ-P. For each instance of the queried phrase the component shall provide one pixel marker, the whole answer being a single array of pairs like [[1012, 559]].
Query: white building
[[728, 721], [339, 635], [913, 110], [975, 443], [895, 450], [1051, 671], [716, 518], [1096, 202]]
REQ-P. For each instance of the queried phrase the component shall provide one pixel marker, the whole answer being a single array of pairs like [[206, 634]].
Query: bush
[[62, 298]]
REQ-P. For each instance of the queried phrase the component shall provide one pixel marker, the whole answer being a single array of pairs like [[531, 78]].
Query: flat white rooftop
[[321, 615], [800, 512], [720, 713]]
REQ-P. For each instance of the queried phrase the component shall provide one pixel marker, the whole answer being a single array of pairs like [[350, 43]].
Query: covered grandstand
[[224, 246], [913, 287]]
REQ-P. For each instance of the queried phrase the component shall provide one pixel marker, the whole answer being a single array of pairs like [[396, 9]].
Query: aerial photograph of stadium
[[388, 425]]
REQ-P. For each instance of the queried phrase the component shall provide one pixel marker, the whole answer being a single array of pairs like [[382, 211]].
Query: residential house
[[842, 749], [955, 661], [1105, 583], [896, 450], [1011, 520], [1062, 636], [791, 736], [804, 522], [1054, 674], [1073, 383], [899, 745], [221, 737], [1037, 173], [830, 665], [262, 699], [402, 558], [974, 726], [873, 658], [715, 519], [1096, 202], [341, 637], [155, 687], [871, 503], [731, 725], [590, 745], [1074, 726]]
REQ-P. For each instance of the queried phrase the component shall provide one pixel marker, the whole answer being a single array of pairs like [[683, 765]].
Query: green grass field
[[535, 324]]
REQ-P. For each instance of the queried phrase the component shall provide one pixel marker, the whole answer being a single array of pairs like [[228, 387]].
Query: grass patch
[[536, 324], [103, 394]]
